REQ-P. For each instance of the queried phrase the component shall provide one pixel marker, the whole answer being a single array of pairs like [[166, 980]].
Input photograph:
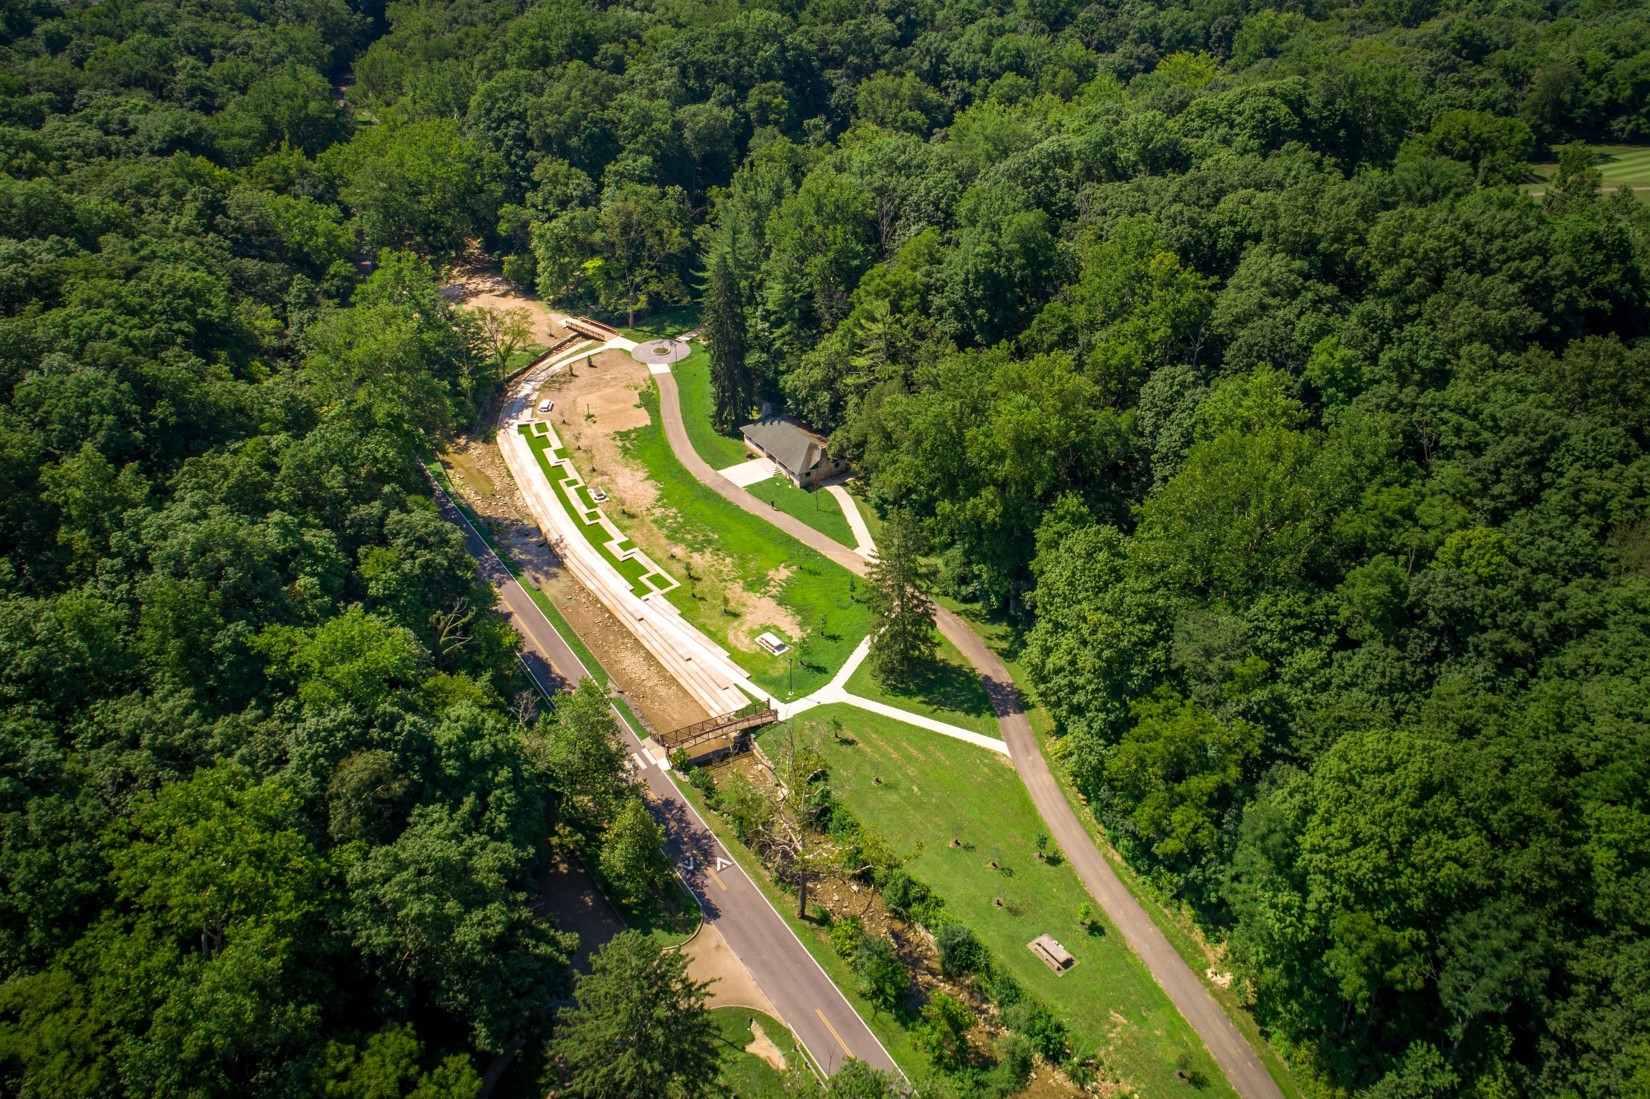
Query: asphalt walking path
[[824, 1021], [1234, 1055]]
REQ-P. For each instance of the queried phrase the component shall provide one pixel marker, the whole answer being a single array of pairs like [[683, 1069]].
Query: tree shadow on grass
[[944, 685]]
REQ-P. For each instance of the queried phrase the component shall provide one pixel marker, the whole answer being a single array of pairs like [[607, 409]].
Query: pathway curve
[[865, 547], [824, 1021], [1234, 1055]]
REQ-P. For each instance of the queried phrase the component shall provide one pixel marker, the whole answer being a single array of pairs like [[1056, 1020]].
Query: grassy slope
[[933, 789], [953, 693], [744, 1074], [819, 592], [1175, 925], [818, 509], [693, 381], [873, 519]]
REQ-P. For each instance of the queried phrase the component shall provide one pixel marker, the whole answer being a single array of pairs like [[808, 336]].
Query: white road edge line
[[718, 839]]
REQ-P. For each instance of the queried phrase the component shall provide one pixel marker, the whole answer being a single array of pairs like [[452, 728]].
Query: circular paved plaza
[[658, 352]]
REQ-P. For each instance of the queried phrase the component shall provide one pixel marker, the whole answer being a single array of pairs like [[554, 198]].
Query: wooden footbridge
[[727, 725]]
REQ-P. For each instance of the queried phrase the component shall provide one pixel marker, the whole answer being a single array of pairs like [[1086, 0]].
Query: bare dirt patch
[[711, 959], [476, 287], [762, 1046]]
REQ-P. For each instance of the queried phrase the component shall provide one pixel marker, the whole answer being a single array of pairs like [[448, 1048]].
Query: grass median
[[950, 691]]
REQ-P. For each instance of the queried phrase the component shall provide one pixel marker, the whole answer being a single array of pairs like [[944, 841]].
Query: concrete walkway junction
[[703, 667], [710, 673]]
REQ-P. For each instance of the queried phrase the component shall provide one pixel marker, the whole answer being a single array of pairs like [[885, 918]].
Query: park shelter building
[[799, 454]]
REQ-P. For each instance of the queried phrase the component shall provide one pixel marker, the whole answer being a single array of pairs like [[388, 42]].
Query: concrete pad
[[753, 472], [660, 352]]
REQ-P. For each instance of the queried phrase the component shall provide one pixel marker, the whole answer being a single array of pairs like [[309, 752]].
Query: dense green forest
[[1218, 345]]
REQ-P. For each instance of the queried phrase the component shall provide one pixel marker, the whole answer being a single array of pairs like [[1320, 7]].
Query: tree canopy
[[1234, 356]]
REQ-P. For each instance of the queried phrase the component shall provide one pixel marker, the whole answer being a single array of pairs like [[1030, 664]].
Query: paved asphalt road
[[824, 1021], [1235, 1056]]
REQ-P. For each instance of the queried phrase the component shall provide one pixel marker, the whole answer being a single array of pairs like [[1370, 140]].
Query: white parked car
[[546, 406]]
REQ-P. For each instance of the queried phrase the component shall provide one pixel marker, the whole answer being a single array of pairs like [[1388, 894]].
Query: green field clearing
[[821, 594], [1177, 926], [693, 382], [817, 508], [745, 1074], [933, 789], [1621, 165], [952, 693]]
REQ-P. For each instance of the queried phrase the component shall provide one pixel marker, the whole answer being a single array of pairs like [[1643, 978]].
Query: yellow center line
[[834, 1034], [716, 879]]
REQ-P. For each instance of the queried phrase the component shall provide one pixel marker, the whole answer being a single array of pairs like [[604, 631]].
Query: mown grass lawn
[[1620, 165], [822, 595], [932, 790], [693, 383], [1176, 925], [951, 692], [817, 508], [744, 1074]]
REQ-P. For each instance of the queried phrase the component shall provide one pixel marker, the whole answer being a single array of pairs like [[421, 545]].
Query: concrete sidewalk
[[865, 547]]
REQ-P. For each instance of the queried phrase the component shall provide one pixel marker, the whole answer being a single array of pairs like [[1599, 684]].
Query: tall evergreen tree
[[641, 1028], [730, 378], [902, 643]]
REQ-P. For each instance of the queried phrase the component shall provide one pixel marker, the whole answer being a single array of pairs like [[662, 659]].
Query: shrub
[[1000, 988], [910, 899], [882, 976], [960, 952], [704, 782], [1013, 1068], [943, 1032], [845, 936], [1037, 1024]]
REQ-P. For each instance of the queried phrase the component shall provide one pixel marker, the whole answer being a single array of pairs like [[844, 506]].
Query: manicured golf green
[[1620, 165], [923, 791]]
